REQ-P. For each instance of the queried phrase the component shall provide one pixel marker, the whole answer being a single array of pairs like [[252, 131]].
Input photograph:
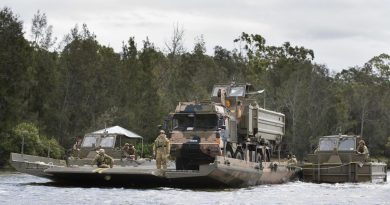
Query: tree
[[41, 32], [45, 73], [89, 73], [176, 44], [15, 72], [141, 84]]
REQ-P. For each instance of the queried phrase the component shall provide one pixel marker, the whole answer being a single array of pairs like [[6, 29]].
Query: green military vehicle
[[232, 124], [337, 160]]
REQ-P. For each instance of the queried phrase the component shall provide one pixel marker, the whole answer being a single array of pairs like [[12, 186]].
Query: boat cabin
[[110, 139], [343, 146]]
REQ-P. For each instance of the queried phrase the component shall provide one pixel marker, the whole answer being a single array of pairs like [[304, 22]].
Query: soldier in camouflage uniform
[[362, 148], [129, 151], [161, 148], [103, 160], [292, 160]]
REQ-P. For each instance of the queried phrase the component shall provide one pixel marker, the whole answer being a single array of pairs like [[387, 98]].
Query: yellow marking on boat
[[101, 170], [96, 170]]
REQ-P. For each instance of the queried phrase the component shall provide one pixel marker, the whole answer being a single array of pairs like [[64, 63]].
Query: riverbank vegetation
[[51, 92]]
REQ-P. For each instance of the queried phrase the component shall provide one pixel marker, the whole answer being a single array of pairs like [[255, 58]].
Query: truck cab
[[195, 133]]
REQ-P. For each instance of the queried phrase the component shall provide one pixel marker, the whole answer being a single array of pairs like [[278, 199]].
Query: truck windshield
[[90, 141], [347, 144], [206, 121], [342, 144], [107, 141], [237, 91], [195, 121], [97, 140], [328, 144]]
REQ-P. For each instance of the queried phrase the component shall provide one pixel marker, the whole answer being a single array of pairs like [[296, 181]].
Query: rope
[[325, 168]]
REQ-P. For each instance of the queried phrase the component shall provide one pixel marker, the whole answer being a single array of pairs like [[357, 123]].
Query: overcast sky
[[342, 33]]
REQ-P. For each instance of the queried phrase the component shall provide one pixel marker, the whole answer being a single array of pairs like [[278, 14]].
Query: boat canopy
[[117, 130]]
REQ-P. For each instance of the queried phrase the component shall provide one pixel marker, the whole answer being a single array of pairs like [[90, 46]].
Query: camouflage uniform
[[76, 147], [103, 160], [161, 148], [362, 148], [292, 160], [129, 151]]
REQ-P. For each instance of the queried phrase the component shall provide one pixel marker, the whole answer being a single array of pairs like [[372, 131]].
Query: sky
[[342, 33]]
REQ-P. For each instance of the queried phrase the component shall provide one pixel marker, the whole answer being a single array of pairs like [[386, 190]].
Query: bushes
[[34, 144], [148, 150]]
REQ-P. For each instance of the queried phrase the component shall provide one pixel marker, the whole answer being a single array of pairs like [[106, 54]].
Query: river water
[[17, 188]]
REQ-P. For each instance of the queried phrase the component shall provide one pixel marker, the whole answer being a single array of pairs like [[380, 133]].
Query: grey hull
[[347, 172], [224, 172]]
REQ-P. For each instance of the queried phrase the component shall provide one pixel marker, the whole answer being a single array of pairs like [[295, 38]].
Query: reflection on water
[[16, 188]]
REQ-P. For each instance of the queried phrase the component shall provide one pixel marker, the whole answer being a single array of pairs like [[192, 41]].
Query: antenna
[[105, 130], [233, 80], [339, 130]]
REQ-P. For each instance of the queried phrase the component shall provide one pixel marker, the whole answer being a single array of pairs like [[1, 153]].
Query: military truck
[[231, 124]]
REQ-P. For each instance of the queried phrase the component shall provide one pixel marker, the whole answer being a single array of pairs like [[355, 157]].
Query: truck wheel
[[229, 154], [258, 157], [267, 156], [239, 155], [179, 163]]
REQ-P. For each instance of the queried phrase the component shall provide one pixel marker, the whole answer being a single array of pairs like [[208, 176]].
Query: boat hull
[[347, 172], [224, 172]]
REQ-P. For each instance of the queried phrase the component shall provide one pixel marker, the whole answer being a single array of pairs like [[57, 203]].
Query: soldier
[[292, 160], [222, 95], [161, 148], [103, 160], [77, 146], [129, 151], [362, 148]]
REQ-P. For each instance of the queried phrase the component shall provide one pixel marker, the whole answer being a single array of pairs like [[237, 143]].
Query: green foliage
[[148, 150], [27, 134]]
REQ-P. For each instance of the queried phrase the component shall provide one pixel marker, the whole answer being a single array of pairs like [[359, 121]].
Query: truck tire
[[267, 156], [229, 154], [258, 157], [179, 163], [239, 155]]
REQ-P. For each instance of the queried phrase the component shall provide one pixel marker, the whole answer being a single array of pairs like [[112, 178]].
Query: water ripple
[[16, 188]]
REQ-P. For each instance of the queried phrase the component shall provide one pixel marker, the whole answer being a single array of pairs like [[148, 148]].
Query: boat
[[223, 172], [337, 160], [78, 170]]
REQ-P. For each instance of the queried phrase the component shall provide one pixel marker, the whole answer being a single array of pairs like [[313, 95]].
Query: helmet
[[101, 151], [362, 142], [162, 131]]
